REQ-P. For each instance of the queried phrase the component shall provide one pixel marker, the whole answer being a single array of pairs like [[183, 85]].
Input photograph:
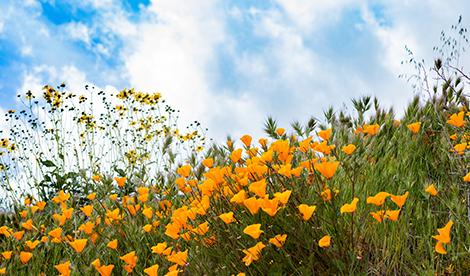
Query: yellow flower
[[236, 155], [31, 244], [348, 149], [18, 235], [414, 127], [79, 245], [91, 196], [456, 120], [130, 259], [328, 169], [87, 209], [147, 227], [208, 162], [280, 131], [460, 148], [28, 225], [439, 248], [202, 229], [306, 211], [120, 181], [63, 196], [178, 258], [393, 215], [246, 139], [432, 190], [87, 227], [278, 240], [372, 129], [324, 242], [6, 254], [444, 233], [253, 230], [152, 271], [252, 253], [41, 204], [259, 188], [325, 134], [184, 170], [159, 248], [378, 199], [25, 256], [97, 177], [349, 208], [113, 244], [283, 197], [64, 268], [252, 204], [379, 216], [467, 177], [399, 200], [226, 217]]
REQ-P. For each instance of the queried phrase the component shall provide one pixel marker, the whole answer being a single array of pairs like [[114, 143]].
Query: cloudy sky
[[227, 64]]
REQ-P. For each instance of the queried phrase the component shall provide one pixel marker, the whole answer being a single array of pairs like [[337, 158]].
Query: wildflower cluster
[[343, 195]]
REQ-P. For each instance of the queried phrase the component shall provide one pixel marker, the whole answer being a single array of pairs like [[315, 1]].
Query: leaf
[[119, 171], [48, 163]]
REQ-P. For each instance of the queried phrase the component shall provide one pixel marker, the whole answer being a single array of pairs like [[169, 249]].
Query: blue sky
[[227, 64]]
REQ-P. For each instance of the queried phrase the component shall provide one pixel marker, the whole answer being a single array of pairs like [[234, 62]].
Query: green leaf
[[48, 163]]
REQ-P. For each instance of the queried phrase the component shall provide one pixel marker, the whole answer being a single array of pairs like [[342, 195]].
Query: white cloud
[[77, 31], [309, 15]]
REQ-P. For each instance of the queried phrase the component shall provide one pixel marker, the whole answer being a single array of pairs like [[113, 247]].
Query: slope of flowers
[[349, 196]]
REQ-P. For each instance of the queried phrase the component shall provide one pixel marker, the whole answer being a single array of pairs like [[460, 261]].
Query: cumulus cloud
[[229, 65]]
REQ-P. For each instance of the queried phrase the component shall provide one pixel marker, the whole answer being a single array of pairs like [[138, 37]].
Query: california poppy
[[280, 131], [252, 204], [414, 127], [444, 233], [184, 170], [208, 162], [252, 253], [456, 119], [378, 199], [372, 129], [178, 258], [432, 190], [283, 197], [379, 216], [64, 268], [259, 188], [246, 139], [87, 209], [439, 248], [25, 256], [325, 134], [120, 180], [130, 259], [324, 242], [348, 149], [152, 271], [349, 208], [278, 240], [226, 217], [399, 200], [328, 169], [393, 215], [253, 230], [306, 211], [113, 244], [79, 245]]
